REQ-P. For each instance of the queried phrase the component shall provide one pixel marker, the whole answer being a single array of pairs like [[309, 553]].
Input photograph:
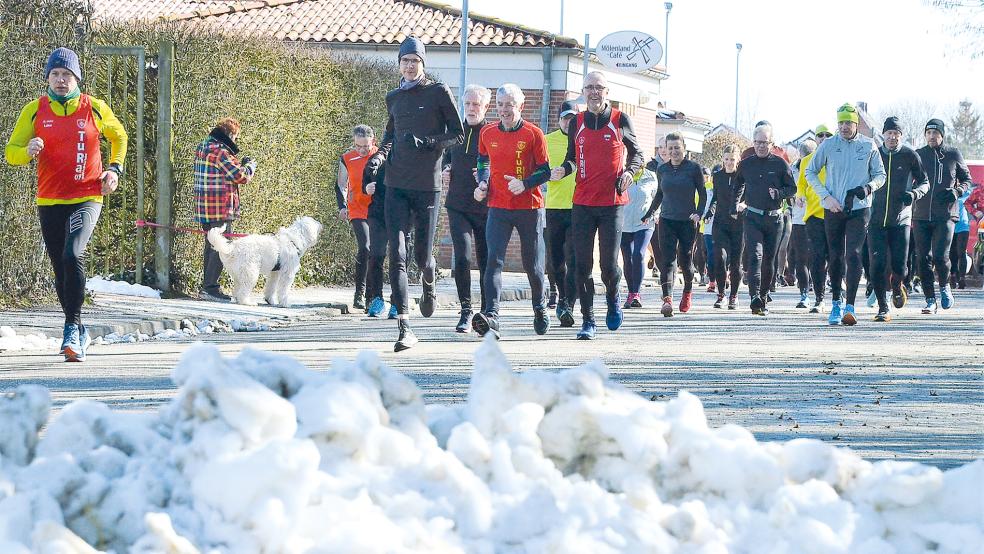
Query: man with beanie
[[891, 211], [61, 131], [423, 121], [935, 214], [854, 172]]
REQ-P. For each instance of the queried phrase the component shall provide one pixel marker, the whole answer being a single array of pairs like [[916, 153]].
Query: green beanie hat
[[847, 112]]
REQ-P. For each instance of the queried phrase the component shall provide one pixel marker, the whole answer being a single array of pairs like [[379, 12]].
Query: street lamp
[[737, 58], [666, 42]]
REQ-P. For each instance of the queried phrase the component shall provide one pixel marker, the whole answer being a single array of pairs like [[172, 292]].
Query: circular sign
[[629, 51]]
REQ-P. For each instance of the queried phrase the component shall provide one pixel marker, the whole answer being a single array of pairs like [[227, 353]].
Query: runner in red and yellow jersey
[[512, 164], [61, 130]]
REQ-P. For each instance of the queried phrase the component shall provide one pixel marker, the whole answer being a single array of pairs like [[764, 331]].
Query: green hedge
[[297, 106]]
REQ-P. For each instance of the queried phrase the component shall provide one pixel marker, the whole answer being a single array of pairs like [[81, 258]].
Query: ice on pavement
[[12, 342], [100, 284], [259, 454]]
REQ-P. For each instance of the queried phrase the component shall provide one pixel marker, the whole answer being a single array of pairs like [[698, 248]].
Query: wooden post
[[165, 159]]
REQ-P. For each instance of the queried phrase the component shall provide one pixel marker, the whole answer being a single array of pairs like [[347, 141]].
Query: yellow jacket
[[106, 122], [804, 190]]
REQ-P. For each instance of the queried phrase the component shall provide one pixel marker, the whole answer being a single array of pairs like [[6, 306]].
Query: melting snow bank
[[259, 454], [11, 341], [99, 284]]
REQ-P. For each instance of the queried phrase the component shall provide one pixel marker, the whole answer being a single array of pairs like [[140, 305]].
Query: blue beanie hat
[[63, 58], [413, 45]]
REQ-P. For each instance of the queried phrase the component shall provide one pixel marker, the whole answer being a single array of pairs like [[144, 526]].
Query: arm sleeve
[[387, 144], [657, 198], [817, 163], [112, 129], [455, 132], [341, 185], [569, 163], [236, 173], [876, 171], [541, 174], [920, 184], [16, 149], [963, 181], [701, 191], [482, 164], [634, 158], [787, 186]]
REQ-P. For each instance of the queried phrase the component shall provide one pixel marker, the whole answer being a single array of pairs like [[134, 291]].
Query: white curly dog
[[277, 256]]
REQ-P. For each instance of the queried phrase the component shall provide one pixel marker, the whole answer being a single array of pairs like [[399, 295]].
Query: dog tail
[[219, 243]]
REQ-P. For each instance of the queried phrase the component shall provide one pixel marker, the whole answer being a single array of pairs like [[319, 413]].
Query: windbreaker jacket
[[463, 159], [850, 164], [904, 174], [946, 171], [641, 195]]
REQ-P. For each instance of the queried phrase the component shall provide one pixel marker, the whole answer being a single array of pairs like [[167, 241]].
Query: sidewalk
[[113, 313]]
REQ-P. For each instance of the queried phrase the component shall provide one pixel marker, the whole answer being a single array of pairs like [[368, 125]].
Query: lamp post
[[561, 33], [666, 42], [737, 58], [463, 64]]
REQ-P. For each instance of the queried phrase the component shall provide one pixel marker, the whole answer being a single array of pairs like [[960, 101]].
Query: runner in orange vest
[[353, 203], [61, 130]]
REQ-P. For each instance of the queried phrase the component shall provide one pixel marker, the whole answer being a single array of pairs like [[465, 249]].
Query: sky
[[799, 61]]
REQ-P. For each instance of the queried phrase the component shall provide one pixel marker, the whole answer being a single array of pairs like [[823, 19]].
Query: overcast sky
[[799, 61]]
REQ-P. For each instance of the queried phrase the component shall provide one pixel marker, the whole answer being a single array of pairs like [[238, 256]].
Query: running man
[[353, 203], [813, 221], [604, 155], [560, 232], [681, 199], [936, 214], [512, 164], [467, 216], [854, 172], [61, 130], [423, 121], [727, 208], [891, 212]]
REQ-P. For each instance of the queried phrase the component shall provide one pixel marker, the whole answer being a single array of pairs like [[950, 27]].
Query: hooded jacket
[[948, 179], [904, 175]]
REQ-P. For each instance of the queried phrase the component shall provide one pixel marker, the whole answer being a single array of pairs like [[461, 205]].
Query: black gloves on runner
[[908, 198], [948, 196], [425, 143], [372, 168], [861, 192]]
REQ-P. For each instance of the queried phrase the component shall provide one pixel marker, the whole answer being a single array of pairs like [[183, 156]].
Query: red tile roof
[[336, 21]]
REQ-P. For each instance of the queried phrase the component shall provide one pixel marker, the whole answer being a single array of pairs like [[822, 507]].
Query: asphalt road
[[912, 389]]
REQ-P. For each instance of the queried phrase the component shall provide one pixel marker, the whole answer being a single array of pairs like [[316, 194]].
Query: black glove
[[647, 216], [861, 192], [413, 140], [618, 184], [908, 198], [372, 168], [849, 201], [947, 196], [246, 160]]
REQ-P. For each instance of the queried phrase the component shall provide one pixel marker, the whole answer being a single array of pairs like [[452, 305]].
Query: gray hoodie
[[850, 164]]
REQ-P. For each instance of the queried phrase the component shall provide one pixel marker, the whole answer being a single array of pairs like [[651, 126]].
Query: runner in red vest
[[61, 131], [603, 154], [353, 203]]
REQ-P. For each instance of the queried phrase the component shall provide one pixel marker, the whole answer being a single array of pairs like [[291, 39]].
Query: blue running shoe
[[72, 343], [946, 298], [614, 317], [376, 307], [836, 313], [871, 300], [393, 312], [849, 317], [587, 331]]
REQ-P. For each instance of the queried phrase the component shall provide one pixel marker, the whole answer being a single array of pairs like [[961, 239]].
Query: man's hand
[[908, 198], [740, 207], [558, 173], [371, 188], [799, 201], [695, 218], [861, 192], [978, 214], [110, 180], [446, 176], [515, 185], [623, 182], [774, 194], [35, 146], [947, 196], [343, 214], [372, 167], [250, 166], [481, 191], [831, 203]]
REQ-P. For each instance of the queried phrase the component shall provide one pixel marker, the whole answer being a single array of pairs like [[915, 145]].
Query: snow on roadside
[[10, 341], [99, 284], [259, 454]]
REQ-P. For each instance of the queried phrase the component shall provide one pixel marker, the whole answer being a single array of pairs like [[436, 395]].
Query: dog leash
[[142, 223]]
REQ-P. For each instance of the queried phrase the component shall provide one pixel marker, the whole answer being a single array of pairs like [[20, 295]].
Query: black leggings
[[958, 254], [933, 239], [889, 247], [912, 262], [782, 252], [762, 235], [560, 253], [816, 232], [801, 256], [406, 210], [468, 241], [498, 230], [634, 257], [605, 222], [676, 242], [361, 229], [66, 230], [728, 243], [846, 233], [377, 255]]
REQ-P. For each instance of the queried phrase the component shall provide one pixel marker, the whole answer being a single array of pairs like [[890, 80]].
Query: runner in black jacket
[[727, 234]]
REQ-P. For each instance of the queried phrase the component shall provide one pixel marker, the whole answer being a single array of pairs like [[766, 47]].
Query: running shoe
[[764, 311], [614, 317], [564, 314], [552, 302], [588, 329], [757, 305], [802, 302], [930, 307], [628, 301], [72, 343], [464, 322], [899, 296], [849, 318], [393, 312], [359, 302], [541, 320], [486, 323], [768, 297], [883, 315], [719, 302], [428, 299], [637, 301], [376, 307], [836, 313], [817, 307], [667, 309], [214, 296], [946, 298], [733, 302], [711, 287], [686, 302], [406, 339]]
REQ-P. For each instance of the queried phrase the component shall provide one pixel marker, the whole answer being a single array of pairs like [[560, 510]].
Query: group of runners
[[585, 184]]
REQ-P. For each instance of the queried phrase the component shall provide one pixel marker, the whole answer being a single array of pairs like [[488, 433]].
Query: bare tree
[[967, 22], [913, 114]]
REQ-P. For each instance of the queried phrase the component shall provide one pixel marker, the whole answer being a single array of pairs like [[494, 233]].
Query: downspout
[[548, 55]]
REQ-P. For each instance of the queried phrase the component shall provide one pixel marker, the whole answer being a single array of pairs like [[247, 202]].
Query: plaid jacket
[[218, 174]]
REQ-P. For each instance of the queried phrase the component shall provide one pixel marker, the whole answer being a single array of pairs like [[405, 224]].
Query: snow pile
[[11, 341], [98, 284], [259, 454]]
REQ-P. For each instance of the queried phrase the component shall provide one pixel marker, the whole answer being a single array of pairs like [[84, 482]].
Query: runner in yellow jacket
[[813, 220]]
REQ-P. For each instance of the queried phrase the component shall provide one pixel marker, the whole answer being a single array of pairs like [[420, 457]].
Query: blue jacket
[[850, 164], [963, 221]]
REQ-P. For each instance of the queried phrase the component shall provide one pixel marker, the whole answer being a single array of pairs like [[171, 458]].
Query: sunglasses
[[825, 135]]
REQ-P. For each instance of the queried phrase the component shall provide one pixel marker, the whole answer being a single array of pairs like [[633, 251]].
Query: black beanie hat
[[413, 45], [936, 124], [892, 124]]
